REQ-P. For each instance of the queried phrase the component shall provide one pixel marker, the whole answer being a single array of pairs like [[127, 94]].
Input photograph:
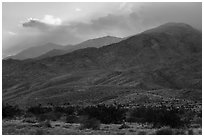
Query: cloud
[[78, 9], [123, 20], [132, 18], [45, 24], [49, 19], [35, 23], [11, 33]]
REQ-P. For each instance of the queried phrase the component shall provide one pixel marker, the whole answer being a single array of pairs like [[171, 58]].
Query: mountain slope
[[97, 42], [166, 57], [52, 53], [36, 51]]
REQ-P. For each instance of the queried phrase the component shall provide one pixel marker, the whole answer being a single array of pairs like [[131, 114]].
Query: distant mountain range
[[34, 52], [51, 49], [168, 57]]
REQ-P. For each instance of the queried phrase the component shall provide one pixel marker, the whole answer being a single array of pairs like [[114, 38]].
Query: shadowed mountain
[[52, 53], [166, 57], [34, 52], [97, 42]]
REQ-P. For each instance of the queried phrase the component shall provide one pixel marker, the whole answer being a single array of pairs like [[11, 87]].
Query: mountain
[[164, 62], [97, 42], [36, 51], [52, 53]]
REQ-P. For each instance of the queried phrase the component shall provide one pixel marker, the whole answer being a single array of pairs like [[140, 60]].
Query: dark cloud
[[34, 23]]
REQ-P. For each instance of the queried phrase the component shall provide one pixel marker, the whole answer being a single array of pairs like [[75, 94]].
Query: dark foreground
[[18, 127], [101, 119]]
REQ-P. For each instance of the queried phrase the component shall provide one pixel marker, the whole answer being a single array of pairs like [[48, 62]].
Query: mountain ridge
[[51, 49], [149, 60]]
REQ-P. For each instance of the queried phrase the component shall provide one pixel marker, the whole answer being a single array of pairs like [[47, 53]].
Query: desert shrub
[[45, 124], [43, 113], [198, 121], [179, 132], [124, 126], [165, 131], [48, 116], [9, 111], [38, 110], [106, 114], [90, 123], [30, 120], [68, 110], [190, 132], [40, 132], [158, 116], [71, 119], [54, 116], [142, 133]]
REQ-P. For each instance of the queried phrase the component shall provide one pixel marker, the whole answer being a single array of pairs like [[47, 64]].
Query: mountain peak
[[174, 25], [108, 36], [172, 28]]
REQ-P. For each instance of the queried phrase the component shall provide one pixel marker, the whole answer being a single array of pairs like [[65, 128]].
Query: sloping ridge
[[36, 51], [96, 42], [168, 58]]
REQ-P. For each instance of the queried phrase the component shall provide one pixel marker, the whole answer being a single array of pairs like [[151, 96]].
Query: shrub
[[30, 120], [46, 124], [179, 132], [38, 110], [48, 116], [68, 110], [40, 132], [71, 119], [164, 131], [9, 111], [106, 114], [158, 116], [90, 123], [142, 133], [124, 126], [190, 132]]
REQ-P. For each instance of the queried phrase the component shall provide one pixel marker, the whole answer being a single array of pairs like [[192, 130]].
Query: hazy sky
[[34, 24]]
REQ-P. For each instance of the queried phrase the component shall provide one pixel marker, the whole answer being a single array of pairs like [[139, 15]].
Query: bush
[[9, 111], [106, 114], [158, 116], [40, 132], [90, 123], [164, 131], [48, 116], [124, 126], [142, 133], [38, 110], [68, 110], [46, 124], [71, 119], [30, 120], [190, 132]]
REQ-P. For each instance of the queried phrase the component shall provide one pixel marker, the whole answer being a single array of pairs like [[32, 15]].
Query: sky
[[30, 24]]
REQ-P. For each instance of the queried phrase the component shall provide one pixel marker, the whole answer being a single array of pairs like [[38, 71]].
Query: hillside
[[36, 51], [163, 58], [97, 42]]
